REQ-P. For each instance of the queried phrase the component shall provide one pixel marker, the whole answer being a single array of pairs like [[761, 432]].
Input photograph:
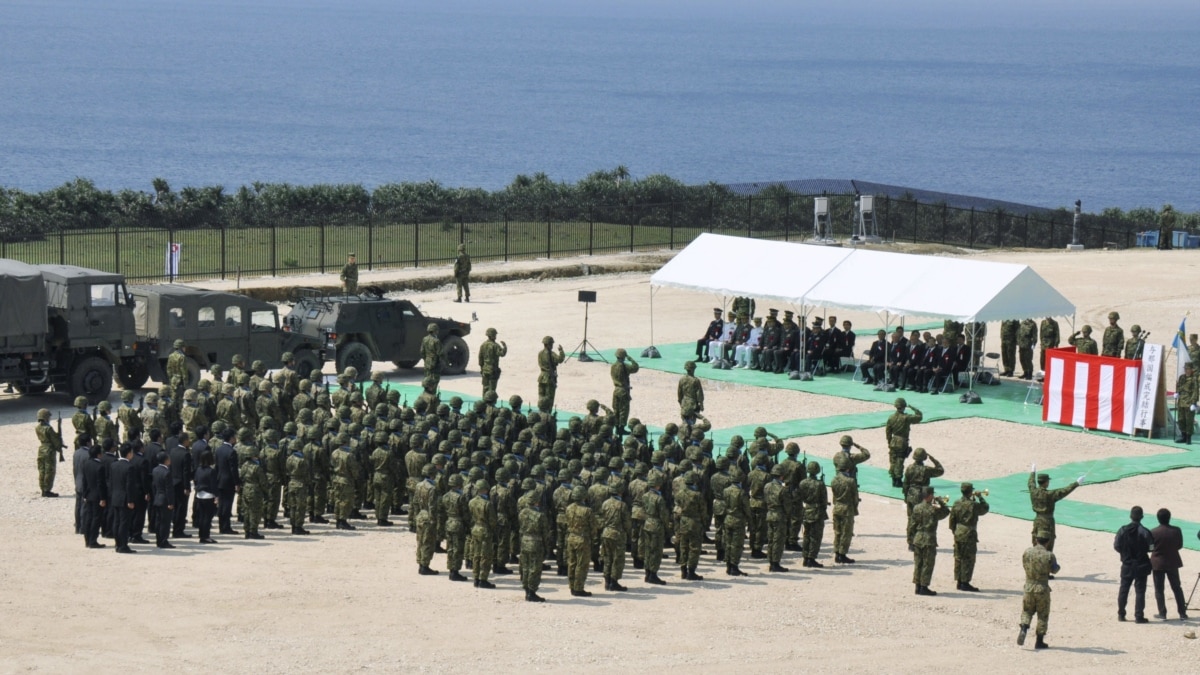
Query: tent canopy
[[926, 286]]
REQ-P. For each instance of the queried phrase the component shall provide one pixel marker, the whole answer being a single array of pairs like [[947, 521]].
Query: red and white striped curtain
[[1093, 392]]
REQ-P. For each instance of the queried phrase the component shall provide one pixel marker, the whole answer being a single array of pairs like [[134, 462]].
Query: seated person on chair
[[944, 366], [716, 348], [872, 367], [741, 333], [848, 340], [814, 347], [914, 360], [833, 346], [789, 347], [715, 328], [745, 356], [772, 336], [929, 363], [896, 355], [962, 359]]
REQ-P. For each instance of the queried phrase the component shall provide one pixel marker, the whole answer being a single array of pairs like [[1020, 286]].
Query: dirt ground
[[352, 601]]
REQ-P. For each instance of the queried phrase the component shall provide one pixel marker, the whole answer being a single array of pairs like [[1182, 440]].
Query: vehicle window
[[104, 295], [313, 313], [233, 316], [176, 318], [263, 321], [206, 317]]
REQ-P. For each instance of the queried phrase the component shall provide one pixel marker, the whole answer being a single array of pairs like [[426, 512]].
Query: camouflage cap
[[814, 468], [43, 415], [846, 441], [1043, 478], [81, 401], [1115, 316], [901, 403], [689, 366]]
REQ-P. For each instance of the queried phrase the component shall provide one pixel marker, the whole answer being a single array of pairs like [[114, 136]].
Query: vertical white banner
[[1143, 416], [172, 267]]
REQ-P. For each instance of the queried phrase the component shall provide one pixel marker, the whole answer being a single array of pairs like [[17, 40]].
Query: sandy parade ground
[[340, 601]]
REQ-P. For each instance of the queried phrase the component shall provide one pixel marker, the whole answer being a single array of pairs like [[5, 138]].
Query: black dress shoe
[[125, 549], [167, 545], [96, 545], [208, 540], [139, 540]]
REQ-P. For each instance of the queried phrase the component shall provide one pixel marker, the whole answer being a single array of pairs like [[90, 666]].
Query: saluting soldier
[[897, 431], [926, 516], [845, 497], [1043, 499], [490, 353], [620, 372], [916, 477], [548, 361], [1082, 341], [964, 523]]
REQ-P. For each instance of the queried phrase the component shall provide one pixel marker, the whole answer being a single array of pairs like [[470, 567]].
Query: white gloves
[[1033, 468], [1079, 481]]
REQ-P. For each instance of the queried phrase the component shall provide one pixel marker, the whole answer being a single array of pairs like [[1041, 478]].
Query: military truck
[[63, 326], [356, 330], [214, 327]]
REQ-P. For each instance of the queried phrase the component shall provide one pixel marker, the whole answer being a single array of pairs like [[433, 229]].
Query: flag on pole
[[1180, 344]]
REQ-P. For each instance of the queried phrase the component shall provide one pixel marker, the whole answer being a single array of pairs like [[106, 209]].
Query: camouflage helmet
[[671, 428], [593, 405], [304, 385], [900, 403], [842, 461], [515, 402], [431, 328], [474, 474], [919, 455], [621, 353], [216, 370], [689, 366], [258, 365], [481, 486], [639, 430], [350, 373], [792, 449], [777, 470], [547, 340], [238, 360], [272, 436], [393, 396], [537, 471], [814, 468], [491, 332], [655, 480], [456, 402], [81, 401], [616, 464], [1135, 329], [691, 478], [456, 480], [342, 438], [244, 380], [245, 434], [491, 397], [179, 344], [264, 385], [501, 475], [1086, 330], [127, 396], [190, 395], [204, 385], [1115, 316], [429, 471], [528, 485], [846, 441], [43, 415], [723, 462], [104, 407], [760, 432], [287, 357], [228, 388], [289, 427], [377, 376], [219, 426], [578, 494], [151, 398]]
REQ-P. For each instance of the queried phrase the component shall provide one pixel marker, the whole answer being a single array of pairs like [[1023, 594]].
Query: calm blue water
[[122, 91]]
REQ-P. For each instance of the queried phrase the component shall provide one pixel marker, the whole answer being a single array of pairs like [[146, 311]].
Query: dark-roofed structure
[[840, 186]]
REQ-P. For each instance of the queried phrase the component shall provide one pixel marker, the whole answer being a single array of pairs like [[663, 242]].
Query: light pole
[[1075, 245]]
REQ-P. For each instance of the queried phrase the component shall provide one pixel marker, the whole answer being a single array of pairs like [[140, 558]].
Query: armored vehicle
[[356, 330], [214, 327], [63, 326]]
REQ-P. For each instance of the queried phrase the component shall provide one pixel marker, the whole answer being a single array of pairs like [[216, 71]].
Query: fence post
[[749, 216], [591, 232], [462, 230], [630, 211], [916, 218], [945, 209], [62, 247], [223, 263], [170, 245], [887, 216], [971, 239], [273, 228], [321, 245], [1103, 232], [506, 236], [117, 247], [671, 225], [416, 243], [370, 242], [547, 235]]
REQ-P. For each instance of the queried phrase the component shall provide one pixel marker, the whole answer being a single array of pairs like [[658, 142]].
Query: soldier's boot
[[469, 564], [439, 548], [530, 596], [776, 567], [1041, 642], [616, 586], [254, 535], [792, 546], [384, 523], [485, 584], [562, 571], [598, 566], [319, 519], [272, 525], [653, 579], [847, 560], [757, 554], [692, 576], [683, 572], [720, 553], [1021, 635], [728, 569], [425, 570], [965, 586], [737, 572], [582, 594], [345, 525], [896, 483], [638, 564], [514, 560], [357, 515], [607, 583], [499, 568], [918, 590], [455, 576], [812, 562]]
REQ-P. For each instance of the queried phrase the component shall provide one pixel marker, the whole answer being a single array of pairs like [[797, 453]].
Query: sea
[[1040, 103]]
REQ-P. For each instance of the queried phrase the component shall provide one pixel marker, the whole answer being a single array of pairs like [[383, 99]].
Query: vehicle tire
[[455, 355], [132, 374], [357, 355], [193, 373], [307, 363], [407, 365], [92, 377]]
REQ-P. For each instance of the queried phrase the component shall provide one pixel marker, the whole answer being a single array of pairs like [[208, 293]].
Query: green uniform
[[535, 532], [344, 467], [299, 477], [1113, 341], [49, 445], [815, 498], [254, 492], [1187, 388], [777, 519], [455, 512], [964, 523], [431, 354], [691, 396], [462, 275], [758, 510], [177, 372], [716, 489], [1043, 501], [737, 516], [926, 516], [1048, 336], [84, 425], [897, 431], [654, 529], [490, 353], [548, 377], [1027, 337], [690, 504], [130, 421], [614, 534], [483, 536], [1008, 344], [105, 428], [845, 500], [349, 277], [1039, 563], [916, 479], [581, 530], [620, 371], [1083, 344], [383, 480], [275, 464], [424, 503]]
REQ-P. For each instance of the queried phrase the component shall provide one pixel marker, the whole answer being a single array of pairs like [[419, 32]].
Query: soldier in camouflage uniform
[[716, 489], [614, 534], [254, 491], [1027, 337], [793, 473], [815, 500], [775, 494], [560, 499], [897, 430], [483, 534], [964, 523], [548, 361], [845, 497], [1083, 343], [1040, 566], [926, 516], [454, 513], [299, 477], [505, 500], [105, 426], [1187, 393], [1008, 345], [345, 469], [490, 353], [758, 479], [690, 393], [581, 530], [654, 528], [1043, 500], [535, 532], [49, 443], [274, 461], [1114, 337], [127, 416], [287, 385], [916, 478], [85, 426], [318, 456], [431, 354], [383, 481], [462, 274], [620, 372], [1048, 338], [424, 503], [1136, 343], [349, 274], [737, 516], [689, 503], [177, 370]]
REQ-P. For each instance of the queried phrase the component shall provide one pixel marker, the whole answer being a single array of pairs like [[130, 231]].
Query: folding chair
[[1035, 390], [858, 361]]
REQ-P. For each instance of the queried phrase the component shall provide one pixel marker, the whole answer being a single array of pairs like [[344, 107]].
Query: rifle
[[141, 403], [60, 443], [95, 411]]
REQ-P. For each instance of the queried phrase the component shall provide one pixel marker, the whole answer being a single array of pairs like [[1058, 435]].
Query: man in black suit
[[713, 332], [152, 451], [123, 483], [199, 445], [1165, 563], [108, 458], [872, 368], [163, 501], [95, 497], [78, 460], [181, 482], [141, 497], [228, 482]]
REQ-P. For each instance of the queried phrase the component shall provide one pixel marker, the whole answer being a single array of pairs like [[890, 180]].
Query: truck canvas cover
[[22, 299]]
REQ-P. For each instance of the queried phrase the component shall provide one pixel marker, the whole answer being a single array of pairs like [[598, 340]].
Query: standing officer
[[49, 443], [123, 483], [349, 275], [431, 354], [1048, 336], [1040, 566], [462, 274], [490, 353], [964, 523], [917, 477], [620, 372], [897, 431], [424, 502], [548, 361], [690, 394], [1027, 337], [654, 529], [483, 534], [1187, 392], [1114, 337], [581, 529], [1043, 499], [775, 494], [177, 370], [815, 498], [614, 533], [1082, 341], [845, 497], [926, 516], [1008, 345], [299, 473], [535, 531], [454, 513]]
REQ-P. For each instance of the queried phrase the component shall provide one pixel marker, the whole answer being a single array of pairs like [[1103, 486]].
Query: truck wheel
[[132, 374], [406, 365], [456, 354], [193, 373], [357, 355], [92, 377], [307, 364]]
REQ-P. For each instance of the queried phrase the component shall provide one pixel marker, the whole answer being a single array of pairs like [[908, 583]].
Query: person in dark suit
[[108, 458], [914, 364], [95, 497], [228, 482], [123, 483], [77, 461], [206, 496], [1134, 543], [141, 498], [199, 445], [872, 368], [897, 358], [1165, 562], [181, 482], [163, 500], [962, 359], [713, 332], [152, 451]]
